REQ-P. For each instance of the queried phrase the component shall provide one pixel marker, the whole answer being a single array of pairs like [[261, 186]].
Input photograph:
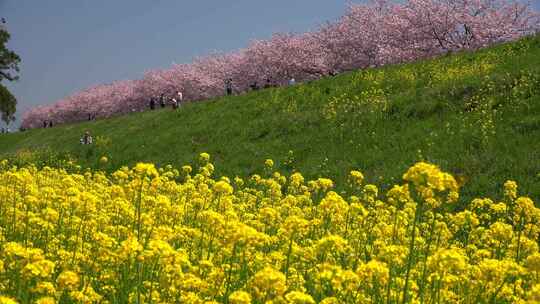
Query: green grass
[[475, 114]]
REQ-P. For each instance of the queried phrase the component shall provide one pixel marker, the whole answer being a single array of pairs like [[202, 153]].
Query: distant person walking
[[228, 86], [162, 99], [45, 124], [179, 97], [152, 103], [268, 83], [162, 102], [174, 103], [87, 138], [50, 124], [254, 86]]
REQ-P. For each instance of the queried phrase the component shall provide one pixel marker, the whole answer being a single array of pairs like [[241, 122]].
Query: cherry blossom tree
[[374, 34]]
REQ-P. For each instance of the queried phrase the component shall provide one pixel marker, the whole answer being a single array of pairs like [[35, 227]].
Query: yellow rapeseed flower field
[[148, 235]]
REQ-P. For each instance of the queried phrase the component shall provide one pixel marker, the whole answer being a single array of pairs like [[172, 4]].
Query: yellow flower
[[204, 158], [130, 247], [296, 297], [399, 195], [45, 288], [533, 262], [428, 175], [222, 187], [333, 204], [240, 297], [370, 193], [6, 300], [332, 243], [534, 294], [269, 163], [374, 271], [510, 189], [296, 180], [500, 232], [448, 261], [268, 283], [187, 169], [46, 300], [146, 169], [356, 178], [198, 238], [330, 300], [68, 280], [41, 268], [325, 184]]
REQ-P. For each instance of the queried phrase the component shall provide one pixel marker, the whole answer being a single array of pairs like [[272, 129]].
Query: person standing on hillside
[[162, 99], [44, 124], [254, 86], [268, 83], [50, 124], [179, 97], [162, 102], [152, 103], [228, 86], [87, 138]]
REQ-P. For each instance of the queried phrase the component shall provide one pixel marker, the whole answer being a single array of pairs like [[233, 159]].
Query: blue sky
[[68, 45]]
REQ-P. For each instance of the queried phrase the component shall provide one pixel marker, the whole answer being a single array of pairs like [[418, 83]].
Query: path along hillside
[[476, 115]]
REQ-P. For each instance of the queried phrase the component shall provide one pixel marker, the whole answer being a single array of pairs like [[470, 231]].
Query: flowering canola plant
[[148, 235]]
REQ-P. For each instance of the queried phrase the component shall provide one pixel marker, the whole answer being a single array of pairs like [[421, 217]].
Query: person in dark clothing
[[268, 83], [254, 86], [44, 124], [228, 86], [50, 124], [152, 103], [89, 116], [86, 139], [161, 101]]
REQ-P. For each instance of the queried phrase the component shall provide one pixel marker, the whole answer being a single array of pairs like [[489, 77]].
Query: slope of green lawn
[[474, 114]]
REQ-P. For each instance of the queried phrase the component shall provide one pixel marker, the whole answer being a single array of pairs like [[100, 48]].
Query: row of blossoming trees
[[374, 34]]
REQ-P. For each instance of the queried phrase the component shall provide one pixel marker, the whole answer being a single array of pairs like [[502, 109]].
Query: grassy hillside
[[476, 115]]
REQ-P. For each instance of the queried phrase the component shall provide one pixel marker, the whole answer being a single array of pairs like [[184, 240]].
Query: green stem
[[411, 252], [426, 254], [229, 275], [289, 251]]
